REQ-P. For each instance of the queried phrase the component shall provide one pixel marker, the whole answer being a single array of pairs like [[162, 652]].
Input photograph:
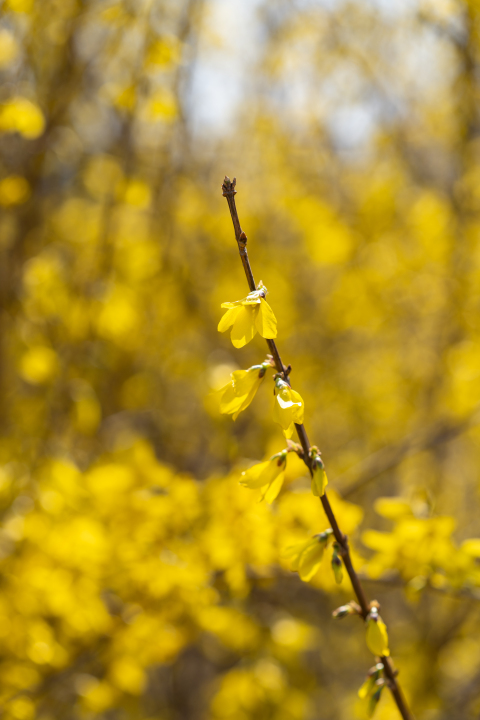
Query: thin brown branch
[[229, 193], [393, 455], [396, 582]]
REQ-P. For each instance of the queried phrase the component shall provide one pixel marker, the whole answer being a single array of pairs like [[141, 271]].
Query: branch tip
[[228, 186]]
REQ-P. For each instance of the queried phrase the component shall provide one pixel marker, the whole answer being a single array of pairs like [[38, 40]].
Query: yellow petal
[[298, 407], [367, 688], [283, 413], [319, 482], [229, 318], [244, 380], [295, 552], [284, 398], [277, 412], [259, 475], [229, 402], [240, 391], [377, 637], [273, 489], [266, 321], [254, 477], [247, 399], [310, 561], [244, 328]]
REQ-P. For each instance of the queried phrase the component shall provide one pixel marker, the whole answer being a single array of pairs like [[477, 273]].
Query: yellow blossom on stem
[[368, 687], [375, 697], [371, 691], [377, 636], [306, 556], [239, 392], [289, 407], [248, 316], [268, 476]]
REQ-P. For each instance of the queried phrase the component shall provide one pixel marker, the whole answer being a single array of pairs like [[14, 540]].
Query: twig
[[229, 193], [393, 455], [397, 582]]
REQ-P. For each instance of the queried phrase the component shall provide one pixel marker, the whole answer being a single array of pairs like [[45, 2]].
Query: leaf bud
[[344, 610]]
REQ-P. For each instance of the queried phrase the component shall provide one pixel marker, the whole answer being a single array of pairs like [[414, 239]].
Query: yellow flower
[[237, 394], [371, 691], [267, 475], [248, 316], [289, 407], [368, 687], [377, 637], [375, 697], [307, 556]]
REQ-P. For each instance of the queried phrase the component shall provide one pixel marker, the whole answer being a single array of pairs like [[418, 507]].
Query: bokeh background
[[137, 579]]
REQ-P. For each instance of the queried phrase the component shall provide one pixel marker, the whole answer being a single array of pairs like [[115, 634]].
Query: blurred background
[[137, 579]]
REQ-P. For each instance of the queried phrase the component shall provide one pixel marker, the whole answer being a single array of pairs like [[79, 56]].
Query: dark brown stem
[[395, 688], [229, 192]]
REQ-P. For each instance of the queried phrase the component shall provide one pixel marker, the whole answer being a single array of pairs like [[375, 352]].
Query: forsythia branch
[[366, 609]]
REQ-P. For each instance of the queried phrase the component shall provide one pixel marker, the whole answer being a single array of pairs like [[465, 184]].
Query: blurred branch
[[395, 581], [393, 455], [229, 193], [457, 35]]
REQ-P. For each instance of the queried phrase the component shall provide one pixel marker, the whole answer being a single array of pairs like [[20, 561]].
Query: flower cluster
[[246, 317]]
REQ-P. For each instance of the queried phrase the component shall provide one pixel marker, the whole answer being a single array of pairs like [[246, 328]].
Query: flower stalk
[[310, 457]]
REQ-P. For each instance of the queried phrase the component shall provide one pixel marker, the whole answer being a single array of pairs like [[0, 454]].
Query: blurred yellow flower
[[239, 392], [248, 316], [22, 116], [8, 48], [368, 686], [39, 364], [267, 475], [371, 691], [377, 636], [21, 6], [306, 556], [22, 708], [14, 190], [289, 407], [127, 674]]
